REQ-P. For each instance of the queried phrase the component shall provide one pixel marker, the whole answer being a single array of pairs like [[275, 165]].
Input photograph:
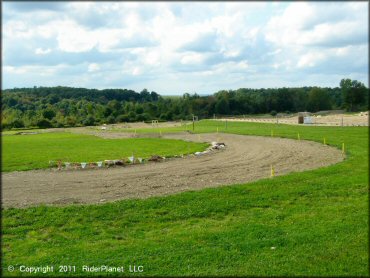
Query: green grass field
[[26, 152], [313, 223]]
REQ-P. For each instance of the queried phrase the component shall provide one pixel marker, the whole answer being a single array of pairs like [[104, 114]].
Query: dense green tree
[[18, 123], [222, 106], [142, 117], [354, 94], [48, 114], [44, 123], [139, 109], [318, 99], [90, 120], [300, 100], [284, 100], [111, 119], [163, 117], [122, 118], [131, 116], [273, 113], [70, 121], [11, 102], [107, 111], [65, 106]]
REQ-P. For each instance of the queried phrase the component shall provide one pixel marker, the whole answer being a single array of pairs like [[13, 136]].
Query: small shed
[[304, 117], [307, 120]]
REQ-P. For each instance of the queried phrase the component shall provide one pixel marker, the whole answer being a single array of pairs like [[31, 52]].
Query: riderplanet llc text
[[72, 269]]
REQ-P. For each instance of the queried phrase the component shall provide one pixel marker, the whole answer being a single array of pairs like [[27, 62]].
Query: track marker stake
[[324, 141], [272, 171], [342, 148]]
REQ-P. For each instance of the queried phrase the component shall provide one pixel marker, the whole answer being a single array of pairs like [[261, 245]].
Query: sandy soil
[[245, 159], [360, 119]]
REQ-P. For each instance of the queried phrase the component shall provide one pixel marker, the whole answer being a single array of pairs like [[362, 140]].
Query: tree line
[[45, 107]]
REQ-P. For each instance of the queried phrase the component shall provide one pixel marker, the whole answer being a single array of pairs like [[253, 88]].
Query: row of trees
[[64, 106]]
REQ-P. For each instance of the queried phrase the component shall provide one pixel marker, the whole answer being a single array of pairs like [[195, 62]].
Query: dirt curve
[[245, 159]]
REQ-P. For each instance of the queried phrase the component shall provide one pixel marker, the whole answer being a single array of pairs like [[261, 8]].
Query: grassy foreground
[[26, 152], [313, 223]]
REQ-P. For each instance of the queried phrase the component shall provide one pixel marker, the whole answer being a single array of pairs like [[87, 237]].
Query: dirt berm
[[245, 159]]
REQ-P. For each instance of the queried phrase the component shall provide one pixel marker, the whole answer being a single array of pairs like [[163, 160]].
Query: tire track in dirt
[[245, 159]]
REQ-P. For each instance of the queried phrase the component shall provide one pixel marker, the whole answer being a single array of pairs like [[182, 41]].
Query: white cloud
[[192, 58], [93, 67], [304, 24], [136, 71], [108, 39], [17, 29], [41, 51], [14, 70], [40, 70], [310, 59], [74, 38], [207, 45], [153, 58]]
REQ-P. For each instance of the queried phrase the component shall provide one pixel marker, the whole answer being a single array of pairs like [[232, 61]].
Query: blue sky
[[178, 47]]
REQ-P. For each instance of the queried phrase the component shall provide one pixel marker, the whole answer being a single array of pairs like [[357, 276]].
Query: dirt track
[[246, 158], [361, 119]]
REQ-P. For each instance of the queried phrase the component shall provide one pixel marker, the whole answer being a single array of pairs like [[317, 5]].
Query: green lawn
[[312, 224], [25, 152]]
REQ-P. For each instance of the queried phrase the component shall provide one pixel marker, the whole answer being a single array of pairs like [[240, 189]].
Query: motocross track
[[245, 159]]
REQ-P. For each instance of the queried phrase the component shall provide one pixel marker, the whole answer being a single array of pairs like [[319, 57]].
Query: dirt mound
[[245, 159]]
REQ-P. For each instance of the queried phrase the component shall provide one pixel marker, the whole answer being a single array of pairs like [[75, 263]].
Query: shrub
[[44, 123], [17, 124], [90, 120], [123, 118]]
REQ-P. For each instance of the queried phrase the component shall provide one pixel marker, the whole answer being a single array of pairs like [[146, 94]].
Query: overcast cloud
[[177, 47]]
